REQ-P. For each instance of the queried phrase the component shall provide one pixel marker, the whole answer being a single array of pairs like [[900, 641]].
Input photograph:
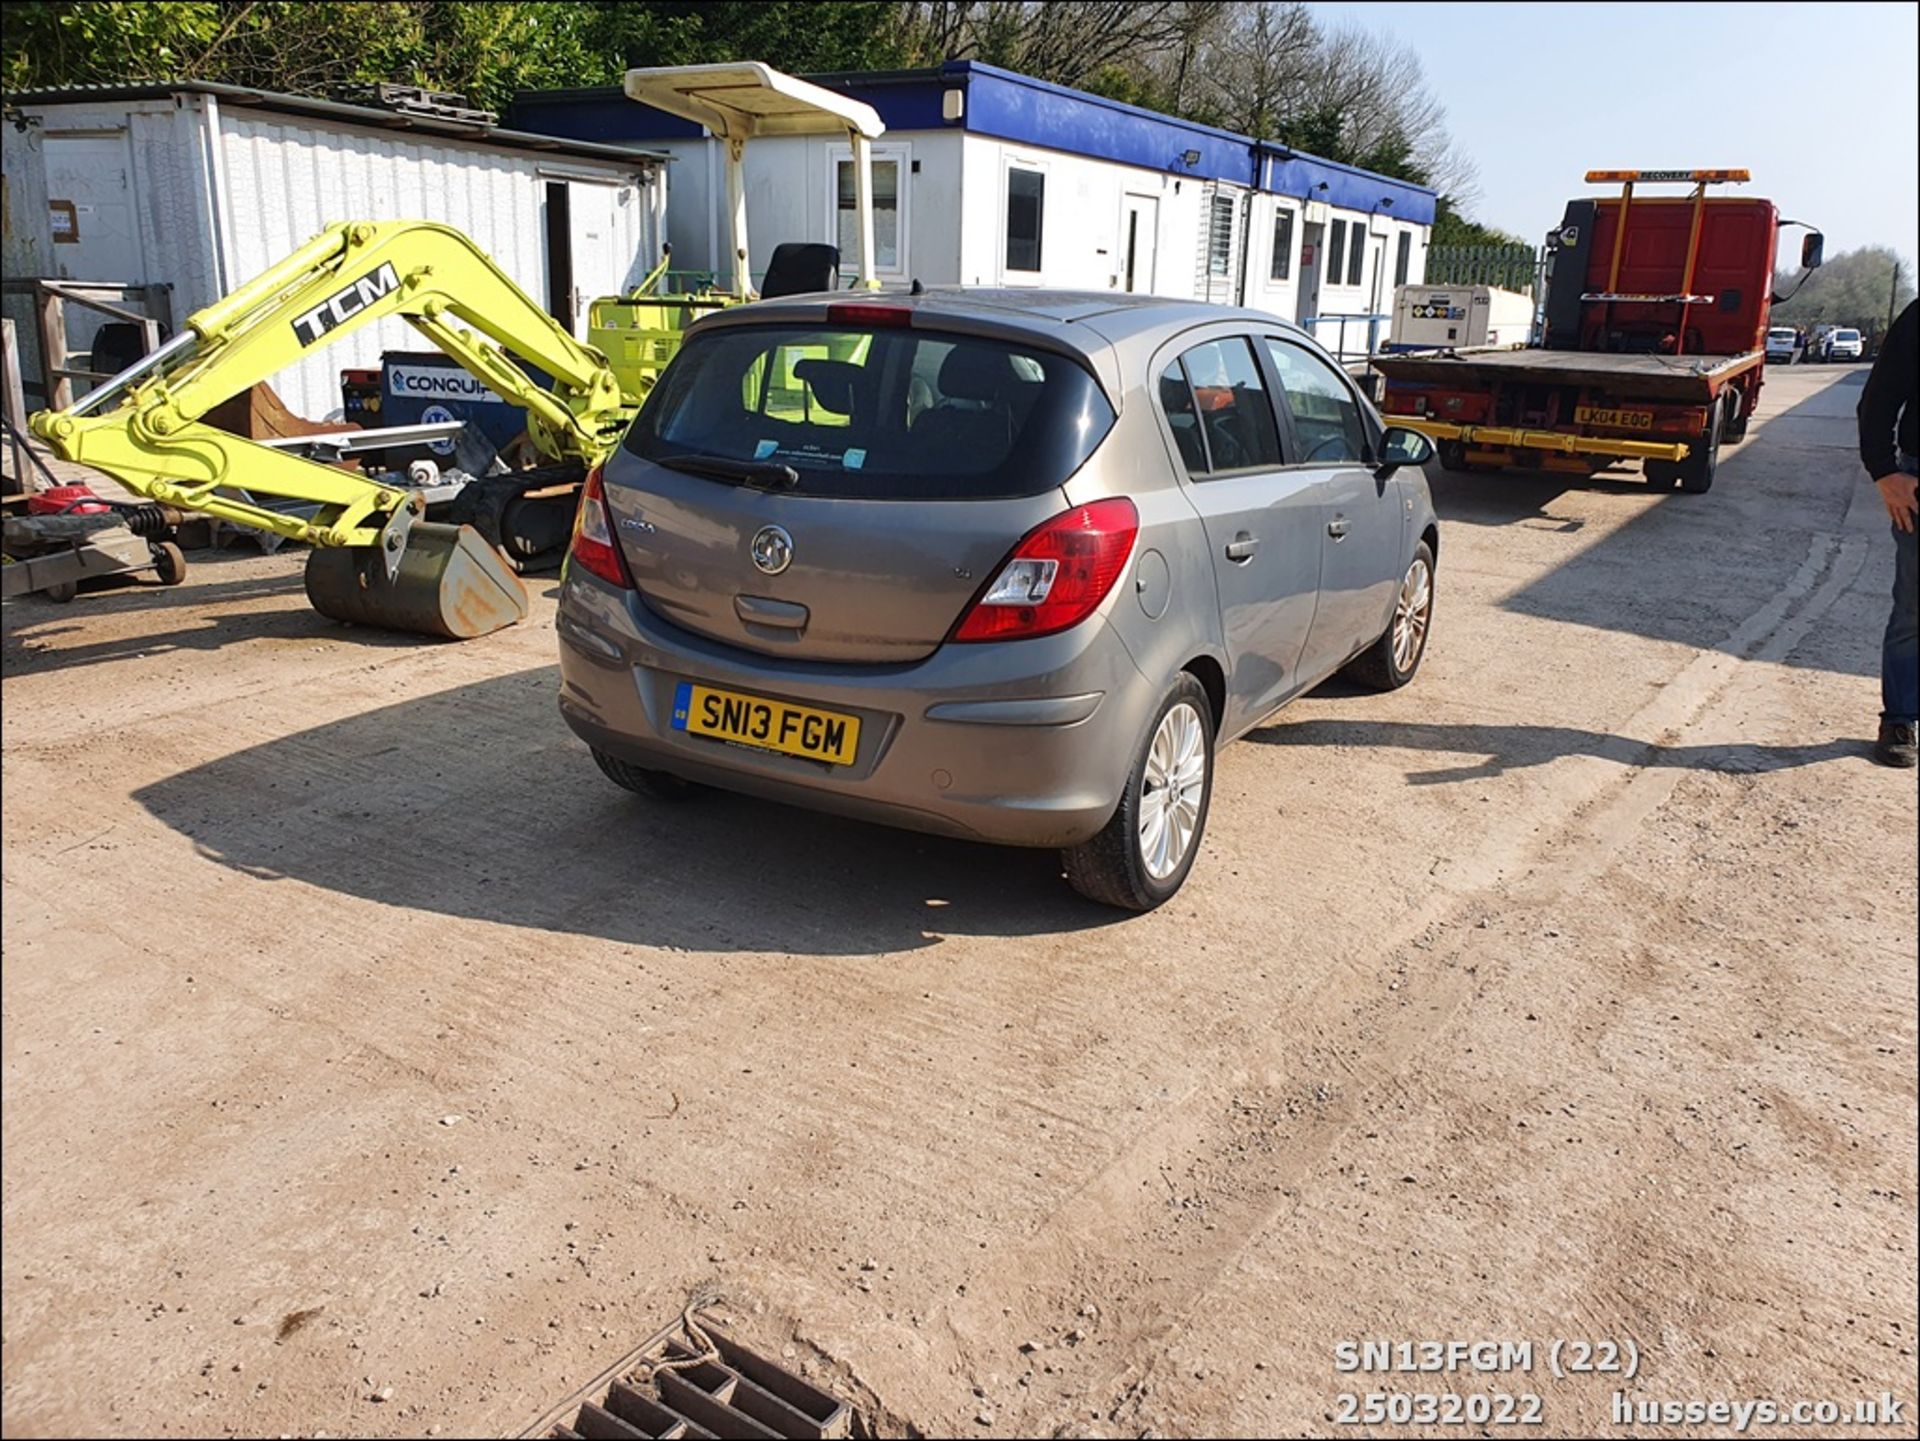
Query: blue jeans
[[1900, 653]]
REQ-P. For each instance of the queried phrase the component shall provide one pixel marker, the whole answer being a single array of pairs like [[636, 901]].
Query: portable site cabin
[[200, 187], [987, 177]]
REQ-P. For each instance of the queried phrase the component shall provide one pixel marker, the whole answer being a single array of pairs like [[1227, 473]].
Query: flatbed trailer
[[1654, 347], [1604, 406]]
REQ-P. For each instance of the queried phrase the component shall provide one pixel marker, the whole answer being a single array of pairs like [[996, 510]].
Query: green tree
[[796, 35], [103, 44], [1856, 288], [1450, 227]]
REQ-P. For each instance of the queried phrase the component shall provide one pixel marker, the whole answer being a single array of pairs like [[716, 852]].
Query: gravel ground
[[361, 1041]]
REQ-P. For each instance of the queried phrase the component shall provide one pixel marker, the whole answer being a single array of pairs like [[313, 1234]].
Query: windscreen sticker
[[812, 455]]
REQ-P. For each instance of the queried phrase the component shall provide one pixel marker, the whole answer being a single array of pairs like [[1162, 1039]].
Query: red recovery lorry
[[1653, 346]]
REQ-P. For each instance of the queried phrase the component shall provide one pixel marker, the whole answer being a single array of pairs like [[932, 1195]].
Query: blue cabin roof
[[1010, 106]]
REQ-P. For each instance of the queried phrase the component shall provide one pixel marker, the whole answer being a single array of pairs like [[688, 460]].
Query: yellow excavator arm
[[348, 276], [352, 274]]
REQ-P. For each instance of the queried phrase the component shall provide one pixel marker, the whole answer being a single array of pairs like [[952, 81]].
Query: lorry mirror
[[1812, 246], [1401, 446]]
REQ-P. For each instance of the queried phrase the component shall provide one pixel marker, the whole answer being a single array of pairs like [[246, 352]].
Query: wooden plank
[[53, 348], [14, 395]]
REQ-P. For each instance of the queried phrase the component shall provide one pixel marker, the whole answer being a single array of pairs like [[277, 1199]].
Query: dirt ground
[[359, 1035]]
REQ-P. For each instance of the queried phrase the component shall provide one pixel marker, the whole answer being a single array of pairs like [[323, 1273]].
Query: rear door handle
[[1242, 547], [1338, 527]]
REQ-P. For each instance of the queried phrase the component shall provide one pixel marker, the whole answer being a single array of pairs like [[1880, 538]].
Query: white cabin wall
[[288, 177], [688, 204], [1081, 221], [790, 197]]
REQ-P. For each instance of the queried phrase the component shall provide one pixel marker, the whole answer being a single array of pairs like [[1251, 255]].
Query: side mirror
[[1400, 446], [1812, 249]]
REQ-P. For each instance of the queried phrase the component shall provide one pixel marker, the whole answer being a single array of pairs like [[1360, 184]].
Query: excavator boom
[[376, 561]]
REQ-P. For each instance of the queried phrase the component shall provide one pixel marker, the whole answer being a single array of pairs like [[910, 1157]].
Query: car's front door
[[1362, 515], [1262, 519]]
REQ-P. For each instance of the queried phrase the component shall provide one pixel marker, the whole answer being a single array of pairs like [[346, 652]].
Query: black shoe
[[1896, 746]]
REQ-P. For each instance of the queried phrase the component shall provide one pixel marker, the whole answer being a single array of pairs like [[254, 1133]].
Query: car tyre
[[654, 785], [1145, 851], [1394, 659], [1453, 457]]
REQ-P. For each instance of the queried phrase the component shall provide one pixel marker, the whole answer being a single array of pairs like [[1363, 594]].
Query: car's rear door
[[1363, 516], [1261, 518]]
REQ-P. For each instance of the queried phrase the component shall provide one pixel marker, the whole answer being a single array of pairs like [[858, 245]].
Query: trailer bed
[[1682, 378]]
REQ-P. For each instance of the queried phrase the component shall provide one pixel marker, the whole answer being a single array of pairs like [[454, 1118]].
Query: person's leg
[[1900, 658]]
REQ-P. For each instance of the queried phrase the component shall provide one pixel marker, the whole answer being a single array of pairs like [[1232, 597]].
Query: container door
[[95, 232], [1312, 266], [90, 190], [1139, 241], [599, 264]]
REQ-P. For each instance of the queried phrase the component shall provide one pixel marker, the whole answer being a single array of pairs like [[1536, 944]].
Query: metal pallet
[[673, 1392]]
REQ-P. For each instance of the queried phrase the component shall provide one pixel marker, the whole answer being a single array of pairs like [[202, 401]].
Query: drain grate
[[672, 1391]]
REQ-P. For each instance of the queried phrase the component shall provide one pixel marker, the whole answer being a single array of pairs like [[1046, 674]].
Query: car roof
[[1091, 322]]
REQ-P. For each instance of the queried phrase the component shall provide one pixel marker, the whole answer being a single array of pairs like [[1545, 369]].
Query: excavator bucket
[[450, 582]]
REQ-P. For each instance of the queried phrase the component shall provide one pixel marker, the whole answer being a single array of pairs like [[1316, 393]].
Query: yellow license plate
[[1623, 419], [768, 725]]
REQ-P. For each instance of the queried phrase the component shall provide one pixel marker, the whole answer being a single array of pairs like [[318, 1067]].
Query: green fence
[[1511, 267]]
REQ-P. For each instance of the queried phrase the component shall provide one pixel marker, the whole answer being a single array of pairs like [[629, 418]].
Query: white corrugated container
[[203, 187], [1459, 317]]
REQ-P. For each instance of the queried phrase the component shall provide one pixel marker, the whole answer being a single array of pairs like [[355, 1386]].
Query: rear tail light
[[594, 547], [1057, 576]]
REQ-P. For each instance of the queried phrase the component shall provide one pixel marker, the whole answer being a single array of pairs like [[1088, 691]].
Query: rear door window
[[1218, 408], [893, 413], [1327, 424]]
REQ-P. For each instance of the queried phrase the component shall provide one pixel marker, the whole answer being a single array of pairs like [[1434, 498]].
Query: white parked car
[[1783, 345], [1845, 345]]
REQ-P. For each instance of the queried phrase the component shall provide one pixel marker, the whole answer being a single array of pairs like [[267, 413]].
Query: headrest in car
[[831, 381], [973, 372]]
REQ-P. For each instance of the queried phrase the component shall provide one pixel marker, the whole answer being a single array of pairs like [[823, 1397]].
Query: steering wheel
[[1336, 443]]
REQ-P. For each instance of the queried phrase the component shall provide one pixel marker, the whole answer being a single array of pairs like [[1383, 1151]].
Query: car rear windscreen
[[890, 413]]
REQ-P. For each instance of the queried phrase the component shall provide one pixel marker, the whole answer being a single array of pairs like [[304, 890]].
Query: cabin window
[[1026, 216], [1282, 266]]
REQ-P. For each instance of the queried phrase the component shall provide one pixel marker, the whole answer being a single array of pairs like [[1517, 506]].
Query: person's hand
[[1897, 490]]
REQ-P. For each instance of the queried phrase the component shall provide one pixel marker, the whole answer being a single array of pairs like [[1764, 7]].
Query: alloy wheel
[[1412, 613], [1171, 790]]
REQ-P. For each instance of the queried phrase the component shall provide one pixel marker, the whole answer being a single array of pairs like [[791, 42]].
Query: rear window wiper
[[760, 474]]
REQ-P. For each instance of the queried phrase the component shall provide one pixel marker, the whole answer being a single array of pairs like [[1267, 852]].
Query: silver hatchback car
[[1003, 564]]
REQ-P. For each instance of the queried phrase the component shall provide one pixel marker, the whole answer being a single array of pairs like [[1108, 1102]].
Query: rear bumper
[[1027, 743]]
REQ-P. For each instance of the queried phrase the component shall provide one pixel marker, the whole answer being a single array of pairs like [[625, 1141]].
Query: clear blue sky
[[1538, 94]]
